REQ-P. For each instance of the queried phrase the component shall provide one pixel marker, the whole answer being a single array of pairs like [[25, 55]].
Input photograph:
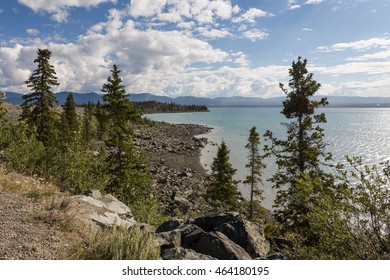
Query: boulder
[[190, 234], [183, 254], [183, 204], [219, 246], [169, 225], [168, 239], [107, 210], [276, 256], [209, 222], [248, 235]]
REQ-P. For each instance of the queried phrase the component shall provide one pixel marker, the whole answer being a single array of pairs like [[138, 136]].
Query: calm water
[[349, 131]]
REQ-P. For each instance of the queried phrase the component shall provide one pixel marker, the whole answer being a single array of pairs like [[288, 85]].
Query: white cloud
[[372, 56], [146, 8], [314, 2], [202, 11], [32, 31], [255, 35], [15, 63], [360, 45], [366, 68], [59, 8], [251, 15], [292, 5], [213, 33], [236, 9], [363, 44], [150, 60], [307, 29]]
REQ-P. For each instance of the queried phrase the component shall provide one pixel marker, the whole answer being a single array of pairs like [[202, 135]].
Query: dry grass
[[31, 186], [62, 214], [118, 243]]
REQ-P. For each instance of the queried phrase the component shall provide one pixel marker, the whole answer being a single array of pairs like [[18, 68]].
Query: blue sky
[[199, 47]]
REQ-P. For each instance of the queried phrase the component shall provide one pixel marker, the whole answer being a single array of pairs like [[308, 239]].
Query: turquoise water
[[349, 131]]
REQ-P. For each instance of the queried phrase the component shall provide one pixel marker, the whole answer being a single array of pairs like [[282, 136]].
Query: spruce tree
[[89, 124], [38, 105], [255, 166], [128, 177], [223, 193], [2, 109], [69, 119], [300, 155]]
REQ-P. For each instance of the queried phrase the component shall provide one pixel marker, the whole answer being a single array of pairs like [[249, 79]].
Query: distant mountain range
[[235, 101]]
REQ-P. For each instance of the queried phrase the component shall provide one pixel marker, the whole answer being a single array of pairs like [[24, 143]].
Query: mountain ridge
[[234, 101]]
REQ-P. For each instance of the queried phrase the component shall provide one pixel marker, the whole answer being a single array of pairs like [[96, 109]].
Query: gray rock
[[183, 204], [168, 239], [96, 194], [208, 223], [190, 234], [248, 235], [219, 246], [108, 210], [169, 225], [276, 256], [183, 254]]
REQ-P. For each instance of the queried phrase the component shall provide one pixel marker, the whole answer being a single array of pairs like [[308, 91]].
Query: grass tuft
[[118, 243]]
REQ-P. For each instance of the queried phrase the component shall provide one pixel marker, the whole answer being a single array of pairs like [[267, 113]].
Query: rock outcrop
[[221, 236], [248, 235], [106, 210]]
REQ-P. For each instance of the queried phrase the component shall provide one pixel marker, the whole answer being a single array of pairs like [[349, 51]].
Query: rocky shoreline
[[173, 152], [193, 233]]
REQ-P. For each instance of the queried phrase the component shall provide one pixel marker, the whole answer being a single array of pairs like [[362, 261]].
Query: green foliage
[[3, 129], [2, 109], [102, 121], [255, 166], [77, 169], [23, 152], [69, 120], [149, 211], [152, 107], [323, 231], [128, 179], [38, 105], [120, 110], [89, 125], [222, 192], [118, 243], [302, 151], [368, 211]]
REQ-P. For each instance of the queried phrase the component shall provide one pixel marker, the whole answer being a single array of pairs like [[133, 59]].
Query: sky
[[207, 48]]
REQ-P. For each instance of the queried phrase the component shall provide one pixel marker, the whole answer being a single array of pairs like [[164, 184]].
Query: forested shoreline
[[318, 214]]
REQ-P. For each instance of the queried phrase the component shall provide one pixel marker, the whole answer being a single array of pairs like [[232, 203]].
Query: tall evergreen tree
[[38, 105], [89, 124], [301, 153], [102, 121], [223, 193], [69, 119], [2, 109], [255, 166], [128, 177], [120, 109]]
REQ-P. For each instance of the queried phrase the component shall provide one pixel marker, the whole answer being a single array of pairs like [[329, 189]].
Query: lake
[[349, 131]]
